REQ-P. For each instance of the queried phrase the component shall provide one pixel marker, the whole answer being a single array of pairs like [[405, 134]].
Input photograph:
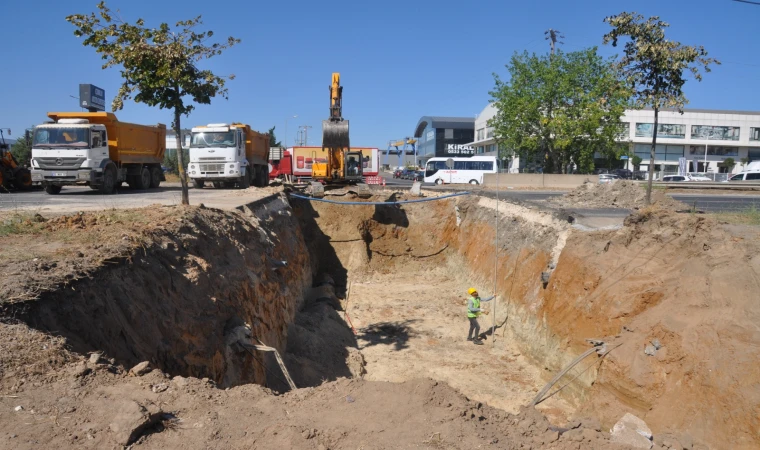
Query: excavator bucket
[[335, 134]]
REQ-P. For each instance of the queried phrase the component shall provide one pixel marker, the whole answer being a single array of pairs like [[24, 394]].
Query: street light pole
[[706, 144]]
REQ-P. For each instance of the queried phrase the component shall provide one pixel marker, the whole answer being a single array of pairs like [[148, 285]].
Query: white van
[[466, 170], [746, 176]]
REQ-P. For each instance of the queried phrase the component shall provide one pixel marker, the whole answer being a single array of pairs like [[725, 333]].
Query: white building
[[723, 134]]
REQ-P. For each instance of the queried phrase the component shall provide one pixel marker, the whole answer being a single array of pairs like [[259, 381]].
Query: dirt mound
[[620, 194], [98, 405]]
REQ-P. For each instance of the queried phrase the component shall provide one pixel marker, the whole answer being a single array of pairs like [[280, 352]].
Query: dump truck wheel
[[198, 184], [217, 184], [245, 180], [93, 187], [53, 189], [109, 181], [143, 180], [155, 177], [23, 180]]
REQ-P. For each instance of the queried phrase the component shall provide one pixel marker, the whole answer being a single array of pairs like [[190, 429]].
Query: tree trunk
[[181, 158], [651, 157]]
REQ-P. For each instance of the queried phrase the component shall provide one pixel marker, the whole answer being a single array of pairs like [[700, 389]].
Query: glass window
[[62, 137], [662, 151], [664, 130], [448, 133], [754, 154], [714, 150], [480, 134], [213, 139], [714, 132], [489, 132], [753, 176], [754, 134]]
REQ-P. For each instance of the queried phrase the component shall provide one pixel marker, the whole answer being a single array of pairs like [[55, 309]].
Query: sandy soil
[[414, 325]]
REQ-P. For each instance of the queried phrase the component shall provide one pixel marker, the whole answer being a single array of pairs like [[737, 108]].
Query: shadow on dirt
[[396, 334]]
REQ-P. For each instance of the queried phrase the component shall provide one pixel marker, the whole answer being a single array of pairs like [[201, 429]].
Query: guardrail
[[730, 186]]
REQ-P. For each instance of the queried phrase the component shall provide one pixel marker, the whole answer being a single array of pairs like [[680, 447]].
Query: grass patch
[[20, 223], [749, 216]]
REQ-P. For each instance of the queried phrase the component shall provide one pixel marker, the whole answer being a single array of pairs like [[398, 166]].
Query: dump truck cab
[[228, 155], [69, 151]]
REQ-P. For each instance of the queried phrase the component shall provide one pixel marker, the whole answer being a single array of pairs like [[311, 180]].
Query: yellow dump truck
[[97, 150], [228, 155]]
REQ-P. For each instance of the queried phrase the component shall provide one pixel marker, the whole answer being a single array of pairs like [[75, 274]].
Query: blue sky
[[398, 60]]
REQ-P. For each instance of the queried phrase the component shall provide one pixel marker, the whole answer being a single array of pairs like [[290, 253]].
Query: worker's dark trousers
[[474, 325]]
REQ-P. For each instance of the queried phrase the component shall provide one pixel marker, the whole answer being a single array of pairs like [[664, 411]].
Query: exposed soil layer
[[620, 194], [189, 289]]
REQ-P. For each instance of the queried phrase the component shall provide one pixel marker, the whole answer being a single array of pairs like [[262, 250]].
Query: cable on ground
[[402, 202]]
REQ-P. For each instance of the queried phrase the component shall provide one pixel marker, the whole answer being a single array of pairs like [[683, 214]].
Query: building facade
[[705, 138], [444, 136]]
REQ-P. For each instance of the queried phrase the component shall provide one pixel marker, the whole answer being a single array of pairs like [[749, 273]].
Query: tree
[[559, 108], [159, 65], [744, 161], [636, 161], [654, 67], [273, 142], [729, 164], [22, 149]]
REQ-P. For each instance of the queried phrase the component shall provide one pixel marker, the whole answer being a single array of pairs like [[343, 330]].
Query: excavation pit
[[378, 292]]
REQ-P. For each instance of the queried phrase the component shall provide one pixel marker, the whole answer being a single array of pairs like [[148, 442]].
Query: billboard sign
[[92, 97]]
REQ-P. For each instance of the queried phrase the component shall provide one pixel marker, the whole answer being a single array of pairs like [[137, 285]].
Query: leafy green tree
[[636, 161], [729, 164], [560, 109], [744, 161], [273, 142], [159, 65], [654, 67], [22, 149]]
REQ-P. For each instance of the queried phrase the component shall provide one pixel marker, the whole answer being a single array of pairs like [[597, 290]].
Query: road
[[85, 199], [76, 198], [704, 202]]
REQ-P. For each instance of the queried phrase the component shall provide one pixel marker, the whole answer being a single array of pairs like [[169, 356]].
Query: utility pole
[[303, 132], [552, 36]]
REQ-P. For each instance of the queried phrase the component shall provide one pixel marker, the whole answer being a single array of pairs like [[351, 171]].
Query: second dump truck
[[229, 155], [97, 150]]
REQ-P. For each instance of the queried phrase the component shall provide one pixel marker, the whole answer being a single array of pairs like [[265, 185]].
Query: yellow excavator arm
[[334, 137]]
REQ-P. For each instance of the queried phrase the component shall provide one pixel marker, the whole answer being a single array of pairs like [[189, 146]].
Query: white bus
[[466, 170]]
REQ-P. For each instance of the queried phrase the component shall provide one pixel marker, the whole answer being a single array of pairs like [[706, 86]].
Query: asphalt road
[[83, 198], [704, 202]]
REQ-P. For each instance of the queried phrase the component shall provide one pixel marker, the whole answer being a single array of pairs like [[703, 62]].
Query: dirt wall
[[182, 300], [681, 281]]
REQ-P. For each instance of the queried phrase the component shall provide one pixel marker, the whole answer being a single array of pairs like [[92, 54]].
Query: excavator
[[11, 174], [341, 167]]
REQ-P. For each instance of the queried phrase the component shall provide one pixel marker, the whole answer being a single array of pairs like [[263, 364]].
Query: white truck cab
[[227, 155], [68, 152]]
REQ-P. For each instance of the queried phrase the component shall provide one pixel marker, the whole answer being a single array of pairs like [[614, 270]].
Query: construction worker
[[473, 311]]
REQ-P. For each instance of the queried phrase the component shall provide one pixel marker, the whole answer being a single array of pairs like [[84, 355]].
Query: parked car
[[623, 173], [606, 178], [745, 176], [685, 177], [419, 175]]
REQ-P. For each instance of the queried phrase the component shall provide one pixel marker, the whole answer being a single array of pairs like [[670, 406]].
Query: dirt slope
[[620, 194]]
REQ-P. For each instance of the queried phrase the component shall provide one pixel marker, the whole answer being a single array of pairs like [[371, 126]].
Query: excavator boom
[[341, 166]]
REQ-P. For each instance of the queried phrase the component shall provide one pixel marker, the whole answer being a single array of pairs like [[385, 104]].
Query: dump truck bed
[[127, 142], [256, 144]]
